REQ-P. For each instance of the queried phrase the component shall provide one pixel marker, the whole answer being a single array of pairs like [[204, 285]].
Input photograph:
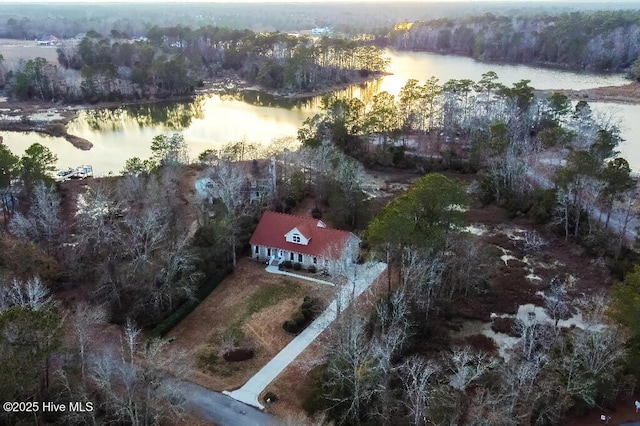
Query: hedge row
[[302, 318], [287, 264], [173, 319]]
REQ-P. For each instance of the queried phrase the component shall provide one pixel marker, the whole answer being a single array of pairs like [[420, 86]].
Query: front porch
[[275, 256]]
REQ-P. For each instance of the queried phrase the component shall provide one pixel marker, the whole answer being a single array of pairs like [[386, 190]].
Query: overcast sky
[[304, 1], [323, 1]]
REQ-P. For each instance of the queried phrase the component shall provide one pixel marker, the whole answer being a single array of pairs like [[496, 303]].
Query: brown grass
[[15, 50], [251, 306], [294, 384], [628, 93], [509, 286]]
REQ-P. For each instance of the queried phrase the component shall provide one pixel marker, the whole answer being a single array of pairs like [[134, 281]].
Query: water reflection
[[363, 91], [422, 65], [175, 115], [209, 121], [625, 116]]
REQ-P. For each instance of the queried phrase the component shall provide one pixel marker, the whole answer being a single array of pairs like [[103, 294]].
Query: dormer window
[[297, 236]]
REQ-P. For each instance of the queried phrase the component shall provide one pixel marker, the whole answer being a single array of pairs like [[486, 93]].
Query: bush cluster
[[301, 318], [240, 354]]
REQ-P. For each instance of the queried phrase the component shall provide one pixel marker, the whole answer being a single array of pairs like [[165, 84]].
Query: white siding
[[291, 237]]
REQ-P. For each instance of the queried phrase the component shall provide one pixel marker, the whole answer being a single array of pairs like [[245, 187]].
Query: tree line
[[174, 61], [505, 133], [593, 40]]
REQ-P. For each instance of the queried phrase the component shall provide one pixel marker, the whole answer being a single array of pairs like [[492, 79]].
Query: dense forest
[[396, 361], [29, 21], [137, 248], [94, 273], [599, 40], [175, 60]]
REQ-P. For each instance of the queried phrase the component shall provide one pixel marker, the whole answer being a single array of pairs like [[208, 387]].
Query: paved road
[[223, 410], [360, 279]]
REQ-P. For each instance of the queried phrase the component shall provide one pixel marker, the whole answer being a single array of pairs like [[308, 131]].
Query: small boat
[[79, 172]]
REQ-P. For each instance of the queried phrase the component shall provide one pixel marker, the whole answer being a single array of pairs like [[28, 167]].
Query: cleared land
[[626, 94], [247, 309], [15, 50]]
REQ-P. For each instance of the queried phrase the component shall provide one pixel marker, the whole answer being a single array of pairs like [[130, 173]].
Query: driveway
[[223, 410], [360, 278]]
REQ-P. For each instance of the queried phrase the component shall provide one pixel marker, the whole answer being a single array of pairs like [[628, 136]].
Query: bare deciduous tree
[[556, 300], [85, 318], [468, 366], [42, 224], [351, 374], [418, 378], [145, 392], [226, 183], [32, 293]]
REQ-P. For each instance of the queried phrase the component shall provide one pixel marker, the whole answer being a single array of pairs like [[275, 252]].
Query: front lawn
[[246, 310]]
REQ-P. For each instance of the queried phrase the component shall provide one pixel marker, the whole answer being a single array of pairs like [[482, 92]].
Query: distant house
[[259, 183], [261, 178], [280, 237], [51, 41], [321, 31]]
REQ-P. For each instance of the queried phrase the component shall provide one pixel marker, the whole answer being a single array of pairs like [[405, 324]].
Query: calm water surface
[[211, 121]]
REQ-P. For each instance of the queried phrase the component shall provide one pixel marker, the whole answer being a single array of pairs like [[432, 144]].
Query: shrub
[[505, 326], [297, 266], [209, 359], [481, 342], [241, 354], [290, 326], [287, 264], [312, 269], [307, 314], [299, 318], [316, 213], [270, 397]]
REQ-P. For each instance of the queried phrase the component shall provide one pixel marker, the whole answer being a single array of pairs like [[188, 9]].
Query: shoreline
[[46, 121], [546, 65], [626, 94], [53, 119]]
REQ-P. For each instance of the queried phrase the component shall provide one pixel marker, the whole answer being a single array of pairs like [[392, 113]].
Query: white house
[[320, 31], [280, 237]]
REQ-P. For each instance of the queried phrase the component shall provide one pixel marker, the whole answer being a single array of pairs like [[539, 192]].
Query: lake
[[213, 120]]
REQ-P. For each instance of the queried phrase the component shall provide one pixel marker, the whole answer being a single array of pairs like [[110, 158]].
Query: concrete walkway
[[274, 270], [360, 279]]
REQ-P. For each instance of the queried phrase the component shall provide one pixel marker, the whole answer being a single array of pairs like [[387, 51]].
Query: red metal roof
[[324, 242]]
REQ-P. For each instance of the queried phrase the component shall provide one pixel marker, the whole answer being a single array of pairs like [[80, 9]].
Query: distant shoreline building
[[51, 41], [321, 31]]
